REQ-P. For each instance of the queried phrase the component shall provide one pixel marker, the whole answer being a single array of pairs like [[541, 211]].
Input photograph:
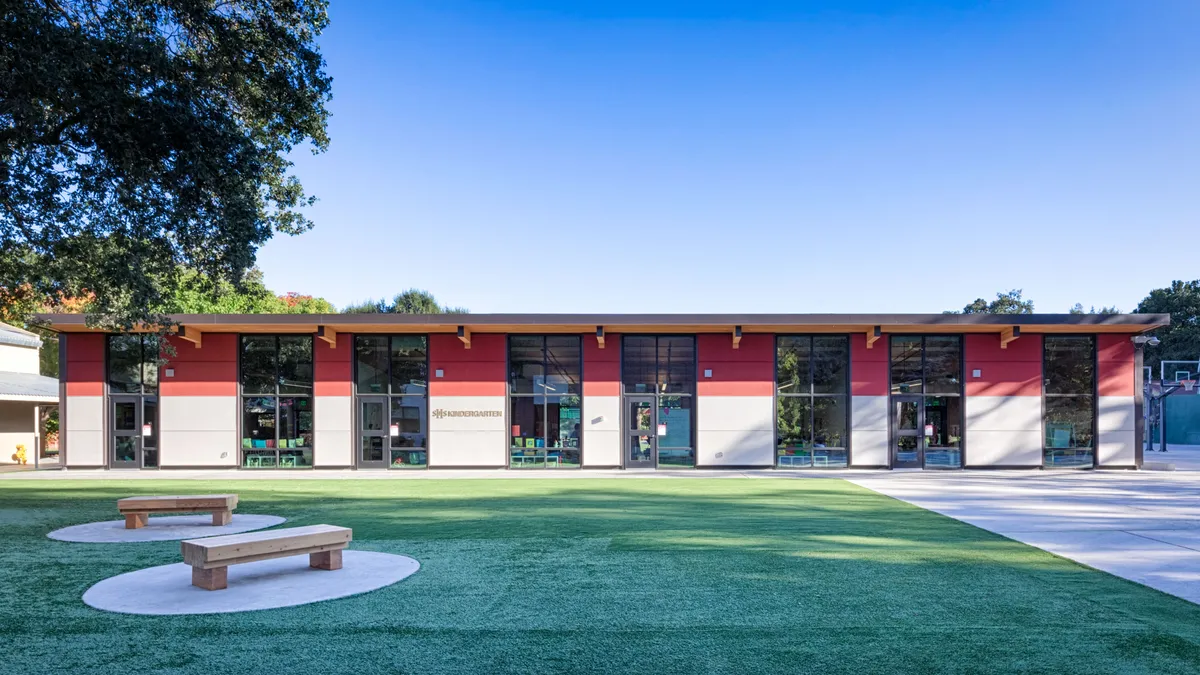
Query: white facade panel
[[468, 448], [868, 413], [735, 413], [333, 448], [85, 448], [85, 413], [466, 413], [196, 448], [601, 413], [333, 413], [1115, 413], [1002, 413], [869, 447], [735, 448], [1117, 448], [17, 359], [1003, 448], [601, 448], [197, 413]]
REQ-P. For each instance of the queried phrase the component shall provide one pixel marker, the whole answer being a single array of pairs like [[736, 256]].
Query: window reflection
[[811, 412], [545, 405], [277, 403], [393, 371], [1069, 404]]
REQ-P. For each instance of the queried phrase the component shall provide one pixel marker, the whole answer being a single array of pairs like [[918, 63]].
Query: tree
[[1180, 340], [140, 139], [1005, 303], [412, 301], [1078, 309], [201, 295]]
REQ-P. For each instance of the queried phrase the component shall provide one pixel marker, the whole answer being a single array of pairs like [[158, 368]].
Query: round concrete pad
[[162, 528], [266, 584]]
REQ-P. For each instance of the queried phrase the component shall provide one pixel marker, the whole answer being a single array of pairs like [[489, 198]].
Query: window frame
[[142, 397], [509, 395], [1095, 396], [658, 395], [390, 397], [811, 395], [242, 396], [923, 394]]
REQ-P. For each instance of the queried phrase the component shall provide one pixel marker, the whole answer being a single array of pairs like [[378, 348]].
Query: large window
[[391, 378], [926, 386], [133, 400], [811, 413], [664, 368], [1069, 410], [545, 389], [277, 401]]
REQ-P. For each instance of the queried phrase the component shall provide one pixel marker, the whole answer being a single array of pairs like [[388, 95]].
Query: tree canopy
[[140, 139], [1078, 309], [1005, 303], [1180, 340], [412, 301]]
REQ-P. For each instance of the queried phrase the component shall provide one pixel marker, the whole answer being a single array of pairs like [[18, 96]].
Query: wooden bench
[[211, 557], [138, 509]]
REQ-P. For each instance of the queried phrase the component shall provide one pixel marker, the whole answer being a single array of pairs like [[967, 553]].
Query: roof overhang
[[331, 324]]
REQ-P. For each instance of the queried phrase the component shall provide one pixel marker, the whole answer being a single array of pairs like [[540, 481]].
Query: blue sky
[[652, 156]]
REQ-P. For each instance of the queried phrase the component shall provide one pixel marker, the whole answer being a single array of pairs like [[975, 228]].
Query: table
[[535, 458]]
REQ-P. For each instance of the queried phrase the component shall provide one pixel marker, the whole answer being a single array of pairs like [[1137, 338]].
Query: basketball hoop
[[1188, 385]]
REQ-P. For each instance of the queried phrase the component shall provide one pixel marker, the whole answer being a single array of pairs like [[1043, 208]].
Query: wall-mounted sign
[[147, 430], [394, 430], [441, 413], [928, 429], [662, 430]]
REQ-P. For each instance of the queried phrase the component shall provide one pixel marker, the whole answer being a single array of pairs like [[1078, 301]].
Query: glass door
[[641, 444], [907, 426], [149, 426], [373, 432], [126, 425]]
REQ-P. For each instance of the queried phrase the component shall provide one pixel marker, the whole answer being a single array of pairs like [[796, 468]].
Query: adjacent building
[[23, 391], [560, 392]]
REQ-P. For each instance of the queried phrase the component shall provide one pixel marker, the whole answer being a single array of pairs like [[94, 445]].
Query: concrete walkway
[[1142, 526]]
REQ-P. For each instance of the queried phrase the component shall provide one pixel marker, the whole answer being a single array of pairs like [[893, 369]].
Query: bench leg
[[135, 520], [210, 580], [326, 560], [222, 518]]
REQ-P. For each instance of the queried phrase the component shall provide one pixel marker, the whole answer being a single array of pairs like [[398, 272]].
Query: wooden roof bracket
[[872, 335], [327, 334], [600, 336], [737, 336], [1008, 335], [190, 334], [464, 334]]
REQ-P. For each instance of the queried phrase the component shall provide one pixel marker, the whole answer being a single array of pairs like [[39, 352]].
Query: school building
[[635, 391]]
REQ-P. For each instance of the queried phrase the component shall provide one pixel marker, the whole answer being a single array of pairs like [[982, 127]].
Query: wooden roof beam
[[600, 336], [737, 336], [464, 334]]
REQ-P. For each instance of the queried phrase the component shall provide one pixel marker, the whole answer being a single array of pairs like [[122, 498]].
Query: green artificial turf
[[653, 575]]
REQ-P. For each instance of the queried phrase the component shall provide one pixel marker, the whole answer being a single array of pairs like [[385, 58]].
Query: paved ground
[[1142, 526]]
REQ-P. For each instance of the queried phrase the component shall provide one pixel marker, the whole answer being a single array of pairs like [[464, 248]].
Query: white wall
[[735, 431], [602, 431], [195, 431], [333, 431], [869, 431], [85, 431], [17, 426], [1116, 423], [467, 441], [14, 359], [1003, 430]]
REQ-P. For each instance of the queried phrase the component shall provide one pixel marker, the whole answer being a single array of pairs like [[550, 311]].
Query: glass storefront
[[1069, 402], [659, 384], [926, 401], [811, 410], [277, 401], [391, 380], [545, 389]]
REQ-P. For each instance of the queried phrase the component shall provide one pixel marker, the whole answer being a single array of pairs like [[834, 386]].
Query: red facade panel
[[210, 370], [602, 367], [333, 368], [478, 371], [868, 367], [1014, 371], [1117, 369], [748, 370], [85, 364]]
